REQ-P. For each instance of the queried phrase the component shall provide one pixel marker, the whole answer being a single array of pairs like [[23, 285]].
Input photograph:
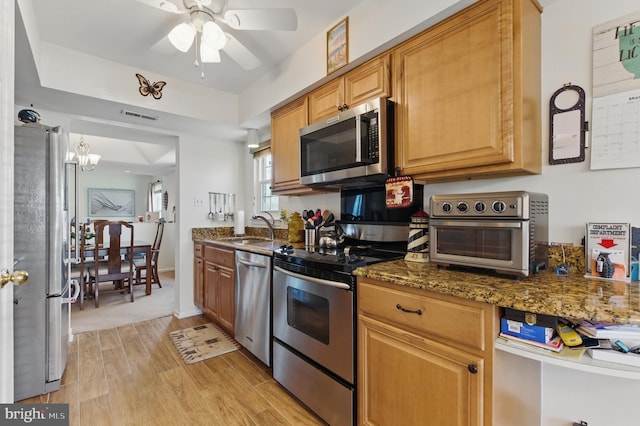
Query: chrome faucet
[[272, 235]]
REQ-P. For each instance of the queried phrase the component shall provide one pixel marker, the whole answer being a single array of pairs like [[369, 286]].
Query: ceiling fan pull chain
[[196, 63]]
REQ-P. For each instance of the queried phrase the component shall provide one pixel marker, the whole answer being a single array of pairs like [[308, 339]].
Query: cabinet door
[[226, 299], [285, 147], [325, 101], [404, 379], [211, 285], [198, 282], [369, 81], [460, 94]]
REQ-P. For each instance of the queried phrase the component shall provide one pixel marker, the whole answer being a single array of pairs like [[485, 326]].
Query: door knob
[[17, 277]]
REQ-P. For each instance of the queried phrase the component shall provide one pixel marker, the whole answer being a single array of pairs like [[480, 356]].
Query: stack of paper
[[554, 344], [609, 330]]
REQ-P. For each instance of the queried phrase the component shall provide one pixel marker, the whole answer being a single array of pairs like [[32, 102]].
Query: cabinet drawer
[[219, 256], [197, 250], [439, 319]]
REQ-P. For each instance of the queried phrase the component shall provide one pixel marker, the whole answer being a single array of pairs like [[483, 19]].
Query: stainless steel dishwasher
[[253, 304]]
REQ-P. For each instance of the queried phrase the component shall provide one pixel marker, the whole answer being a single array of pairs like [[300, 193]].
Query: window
[[154, 202], [265, 200]]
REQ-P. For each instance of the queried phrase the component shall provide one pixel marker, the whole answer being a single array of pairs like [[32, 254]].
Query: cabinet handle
[[472, 368], [345, 107], [409, 311], [340, 108]]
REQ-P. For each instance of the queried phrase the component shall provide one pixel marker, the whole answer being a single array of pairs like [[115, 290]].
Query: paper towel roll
[[238, 225]]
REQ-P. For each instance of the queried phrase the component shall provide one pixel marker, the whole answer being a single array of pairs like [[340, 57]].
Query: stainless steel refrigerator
[[41, 233]]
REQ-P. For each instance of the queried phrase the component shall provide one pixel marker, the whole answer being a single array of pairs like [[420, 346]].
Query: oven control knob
[[446, 207], [480, 206], [499, 206], [463, 207]]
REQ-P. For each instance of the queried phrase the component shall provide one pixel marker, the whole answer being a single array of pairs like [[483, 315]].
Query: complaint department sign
[[34, 414]]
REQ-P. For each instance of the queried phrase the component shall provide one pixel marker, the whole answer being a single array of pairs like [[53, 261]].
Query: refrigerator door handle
[[76, 291]]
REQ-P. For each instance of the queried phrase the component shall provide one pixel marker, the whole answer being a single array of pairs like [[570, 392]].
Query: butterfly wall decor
[[146, 88]]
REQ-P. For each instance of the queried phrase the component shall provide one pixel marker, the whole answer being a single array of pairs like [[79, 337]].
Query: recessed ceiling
[[133, 33]]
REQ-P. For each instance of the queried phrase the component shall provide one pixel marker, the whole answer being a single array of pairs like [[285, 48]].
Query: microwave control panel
[[509, 205]]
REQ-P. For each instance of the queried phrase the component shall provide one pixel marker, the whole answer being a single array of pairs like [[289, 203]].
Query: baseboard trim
[[187, 313]]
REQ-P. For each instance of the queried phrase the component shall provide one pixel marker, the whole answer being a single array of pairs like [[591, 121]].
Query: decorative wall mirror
[[567, 126]]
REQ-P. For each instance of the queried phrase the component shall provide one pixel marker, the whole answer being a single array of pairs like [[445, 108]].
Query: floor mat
[[202, 342]]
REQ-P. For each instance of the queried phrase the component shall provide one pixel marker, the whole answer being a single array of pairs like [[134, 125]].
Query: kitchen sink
[[251, 241], [261, 242]]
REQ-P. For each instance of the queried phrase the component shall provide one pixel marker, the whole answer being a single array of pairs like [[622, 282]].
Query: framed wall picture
[[111, 202], [338, 46]]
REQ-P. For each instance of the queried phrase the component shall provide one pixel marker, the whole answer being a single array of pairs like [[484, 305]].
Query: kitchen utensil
[[211, 215], [328, 220], [305, 214]]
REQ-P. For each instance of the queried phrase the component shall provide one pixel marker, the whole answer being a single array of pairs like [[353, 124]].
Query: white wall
[[204, 165], [108, 179]]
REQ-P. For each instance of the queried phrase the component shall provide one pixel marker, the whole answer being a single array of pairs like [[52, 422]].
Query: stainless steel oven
[[314, 338], [502, 231]]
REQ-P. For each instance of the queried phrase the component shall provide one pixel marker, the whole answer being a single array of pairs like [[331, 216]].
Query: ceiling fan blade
[[262, 19], [239, 53], [173, 6]]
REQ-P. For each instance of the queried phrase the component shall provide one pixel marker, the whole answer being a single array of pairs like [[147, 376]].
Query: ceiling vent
[[139, 115]]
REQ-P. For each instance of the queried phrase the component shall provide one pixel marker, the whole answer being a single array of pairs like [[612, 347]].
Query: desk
[[139, 247]]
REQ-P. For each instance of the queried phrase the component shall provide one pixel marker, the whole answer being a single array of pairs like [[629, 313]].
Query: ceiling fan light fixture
[[213, 35], [182, 35], [209, 54]]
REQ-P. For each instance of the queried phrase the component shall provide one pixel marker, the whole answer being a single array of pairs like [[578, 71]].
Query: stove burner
[[338, 259]]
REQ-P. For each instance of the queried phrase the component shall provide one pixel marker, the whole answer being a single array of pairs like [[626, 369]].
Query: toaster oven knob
[[499, 206], [446, 207], [480, 206], [463, 207]]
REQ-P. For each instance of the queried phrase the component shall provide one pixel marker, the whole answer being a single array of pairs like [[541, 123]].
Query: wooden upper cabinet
[[468, 94], [368, 81], [286, 123]]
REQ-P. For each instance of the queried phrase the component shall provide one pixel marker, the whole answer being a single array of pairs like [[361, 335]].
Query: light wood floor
[[132, 375]]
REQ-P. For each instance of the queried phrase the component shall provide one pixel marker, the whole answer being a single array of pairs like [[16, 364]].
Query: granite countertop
[[571, 296], [256, 240]]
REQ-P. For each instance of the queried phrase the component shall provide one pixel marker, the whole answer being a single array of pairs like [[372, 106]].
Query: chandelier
[[86, 161]]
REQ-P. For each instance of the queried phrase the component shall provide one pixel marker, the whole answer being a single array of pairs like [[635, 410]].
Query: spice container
[[296, 228]]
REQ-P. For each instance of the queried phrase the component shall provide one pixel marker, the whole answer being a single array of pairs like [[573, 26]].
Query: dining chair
[[85, 241], [141, 264], [117, 267]]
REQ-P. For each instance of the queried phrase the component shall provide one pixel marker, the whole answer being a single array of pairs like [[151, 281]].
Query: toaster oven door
[[492, 244]]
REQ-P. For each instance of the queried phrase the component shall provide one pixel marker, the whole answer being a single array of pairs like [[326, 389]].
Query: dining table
[[139, 248]]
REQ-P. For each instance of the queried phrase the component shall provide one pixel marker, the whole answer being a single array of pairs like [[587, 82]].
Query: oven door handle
[[313, 279], [257, 265], [517, 224]]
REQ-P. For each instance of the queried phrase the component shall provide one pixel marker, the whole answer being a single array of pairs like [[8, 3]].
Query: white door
[[7, 37]]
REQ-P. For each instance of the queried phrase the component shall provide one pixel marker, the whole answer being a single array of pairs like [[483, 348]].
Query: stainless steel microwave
[[507, 232], [353, 146]]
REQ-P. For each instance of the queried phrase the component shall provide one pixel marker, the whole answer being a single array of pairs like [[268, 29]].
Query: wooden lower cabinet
[[423, 358], [219, 287]]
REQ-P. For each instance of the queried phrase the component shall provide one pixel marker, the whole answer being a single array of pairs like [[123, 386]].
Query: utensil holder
[[310, 237]]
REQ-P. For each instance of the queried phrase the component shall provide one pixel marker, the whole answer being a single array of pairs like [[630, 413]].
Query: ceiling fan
[[203, 26]]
